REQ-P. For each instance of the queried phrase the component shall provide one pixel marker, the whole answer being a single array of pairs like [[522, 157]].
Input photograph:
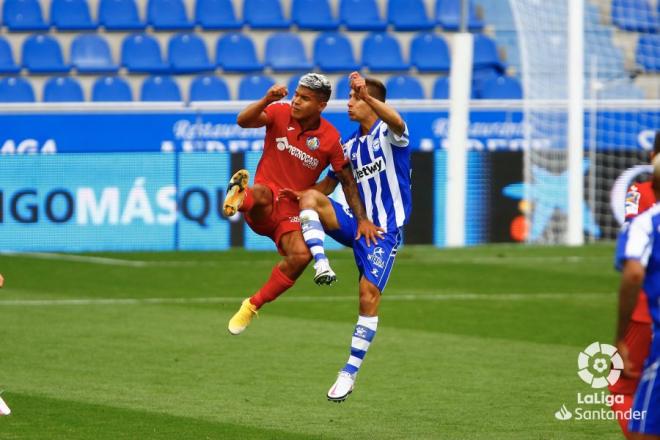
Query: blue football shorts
[[374, 262], [647, 399]]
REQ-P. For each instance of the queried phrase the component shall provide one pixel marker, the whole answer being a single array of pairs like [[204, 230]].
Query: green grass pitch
[[476, 343]]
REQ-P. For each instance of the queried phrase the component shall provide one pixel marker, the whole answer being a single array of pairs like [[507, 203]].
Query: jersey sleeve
[[398, 141], [633, 197], [337, 157], [276, 113], [635, 242]]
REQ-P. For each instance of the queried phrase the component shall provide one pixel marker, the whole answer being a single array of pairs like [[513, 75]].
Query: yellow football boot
[[236, 192], [242, 318]]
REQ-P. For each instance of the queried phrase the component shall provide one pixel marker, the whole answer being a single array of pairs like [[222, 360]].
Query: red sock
[[248, 201], [276, 285]]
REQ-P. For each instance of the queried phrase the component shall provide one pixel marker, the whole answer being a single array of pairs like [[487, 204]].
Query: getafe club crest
[[313, 143], [376, 144]]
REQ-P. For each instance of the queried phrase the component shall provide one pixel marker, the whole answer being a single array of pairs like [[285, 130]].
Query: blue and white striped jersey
[[640, 240], [381, 166]]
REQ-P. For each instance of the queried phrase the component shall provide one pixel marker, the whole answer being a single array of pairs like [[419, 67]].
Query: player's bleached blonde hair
[[318, 83], [656, 169]]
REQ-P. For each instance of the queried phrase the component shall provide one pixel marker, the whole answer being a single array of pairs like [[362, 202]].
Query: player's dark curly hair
[[376, 88], [656, 143]]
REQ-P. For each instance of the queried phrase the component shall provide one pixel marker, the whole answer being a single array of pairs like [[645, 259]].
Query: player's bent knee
[[262, 195], [310, 199], [300, 260]]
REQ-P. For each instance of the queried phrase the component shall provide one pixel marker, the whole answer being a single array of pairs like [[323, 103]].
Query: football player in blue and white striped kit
[[380, 157], [638, 255]]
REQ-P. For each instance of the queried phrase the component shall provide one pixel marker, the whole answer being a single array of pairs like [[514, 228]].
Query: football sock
[[276, 285], [248, 201], [313, 234], [364, 333]]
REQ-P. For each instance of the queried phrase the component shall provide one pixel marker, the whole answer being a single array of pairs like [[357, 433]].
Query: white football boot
[[342, 387], [324, 273]]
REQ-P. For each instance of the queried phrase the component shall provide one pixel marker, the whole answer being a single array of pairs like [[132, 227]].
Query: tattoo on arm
[[351, 192]]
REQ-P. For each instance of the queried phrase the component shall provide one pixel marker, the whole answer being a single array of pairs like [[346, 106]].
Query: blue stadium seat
[[119, 15], [333, 53], [90, 53], [140, 53], [187, 53], [502, 87], [285, 52], [167, 15], [292, 85], [634, 15], [485, 53], [264, 14], [448, 15], [7, 64], [236, 53], [216, 14], [42, 54], [254, 87], [71, 15], [361, 15], [208, 88], [408, 15], [429, 53], [160, 88], [23, 15], [441, 88], [111, 89], [342, 89], [381, 53], [314, 15], [63, 89], [16, 89], [648, 52], [404, 87]]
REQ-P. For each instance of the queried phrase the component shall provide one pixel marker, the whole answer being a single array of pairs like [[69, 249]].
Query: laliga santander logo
[[594, 365]]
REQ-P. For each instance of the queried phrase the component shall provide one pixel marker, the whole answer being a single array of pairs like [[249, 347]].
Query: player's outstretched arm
[[384, 111], [254, 116], [631, 283], [366, 228]]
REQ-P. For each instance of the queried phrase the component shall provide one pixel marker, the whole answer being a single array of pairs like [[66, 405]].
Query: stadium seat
[[236, 53], [361, 15], [429, 53], [404, 87], [285, 52], [23, 15], [441, 88], [111, 89], [292, 85], [71, 15], [342, 89], [216, 15], [634, 15], [90, 53], [208, 88], [648, 52], [254, 87], [485, 53], [502, 87], [16, 89], [63, 89], [408, 15], [7, 64], [314, 15], [264, 14], [42, 54], [381, 53], [140, 53], [167, 15], [333, 53], [448, 15], [187, 53], [160, 88], [119, 15]]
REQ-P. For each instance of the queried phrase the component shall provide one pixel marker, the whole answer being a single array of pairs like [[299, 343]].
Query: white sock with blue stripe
[[364, 333], [313, 233]]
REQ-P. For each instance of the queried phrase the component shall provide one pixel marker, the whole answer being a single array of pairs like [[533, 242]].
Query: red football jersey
[[639, 198], [293, 158]]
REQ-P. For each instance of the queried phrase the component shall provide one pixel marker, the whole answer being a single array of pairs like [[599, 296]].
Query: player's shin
[[314, 236]]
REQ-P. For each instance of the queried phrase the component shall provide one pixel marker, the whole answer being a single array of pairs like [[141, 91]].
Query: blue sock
[[313, 233], [364, 333]]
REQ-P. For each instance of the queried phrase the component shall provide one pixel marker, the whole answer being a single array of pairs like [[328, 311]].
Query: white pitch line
[[295, 299], [104, 260]]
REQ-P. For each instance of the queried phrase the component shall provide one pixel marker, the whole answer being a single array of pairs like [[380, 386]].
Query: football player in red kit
[[639, 198], [299, 145]]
